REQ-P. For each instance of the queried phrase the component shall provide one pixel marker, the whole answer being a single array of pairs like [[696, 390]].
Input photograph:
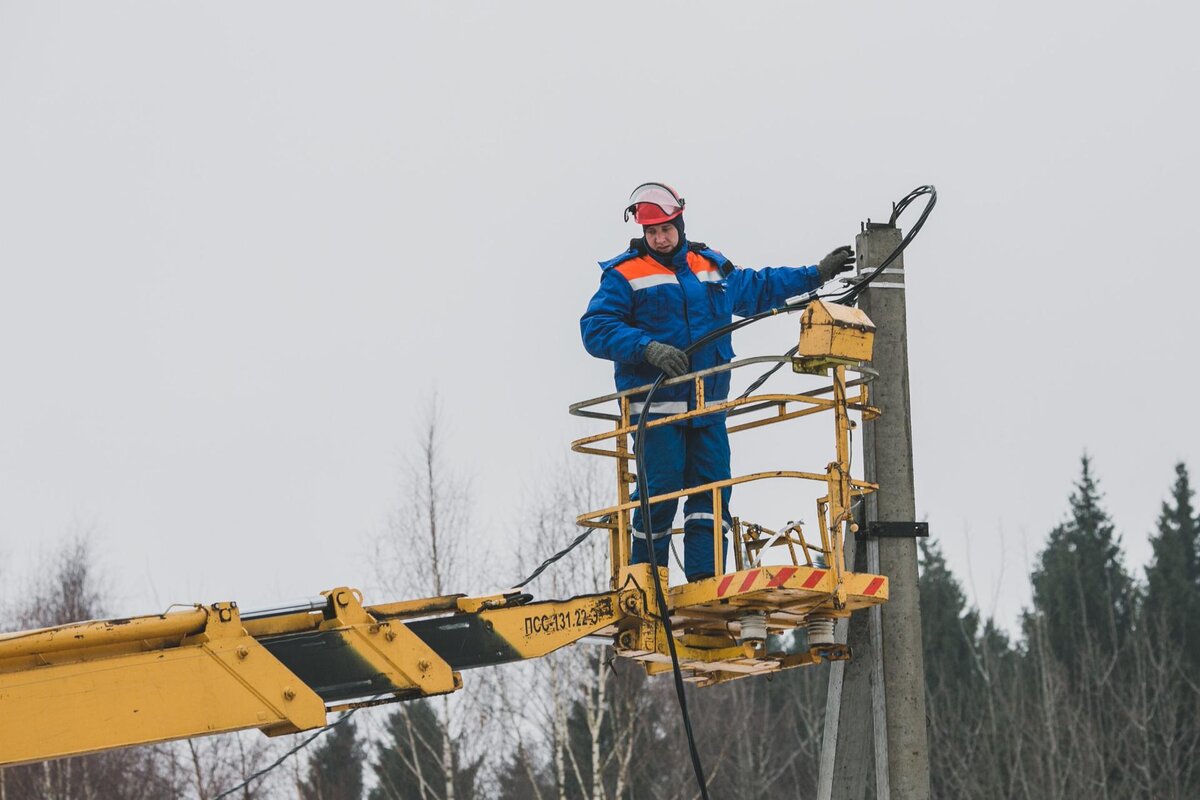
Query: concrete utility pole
[[846, 744], [887, 645]]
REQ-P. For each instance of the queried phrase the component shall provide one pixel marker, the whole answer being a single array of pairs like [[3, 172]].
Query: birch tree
[[423, 553]]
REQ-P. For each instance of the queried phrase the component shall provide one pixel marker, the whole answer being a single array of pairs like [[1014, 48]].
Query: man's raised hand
[[837, 262]]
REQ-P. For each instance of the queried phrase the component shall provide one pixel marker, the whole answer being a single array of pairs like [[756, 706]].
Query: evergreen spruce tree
[[637, 707], [1083, 599], [1173, 578], [948, 626], [962, 653], [409, 761], [335, 771], [520, 779]]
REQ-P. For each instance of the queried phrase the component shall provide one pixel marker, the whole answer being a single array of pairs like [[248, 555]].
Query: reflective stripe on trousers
[[660, 407]]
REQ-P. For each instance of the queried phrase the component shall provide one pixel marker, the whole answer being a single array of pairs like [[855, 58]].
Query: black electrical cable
[[644, 499], [578, 540], [847, 297], [852, 293], [858, 287], [797, 304], [277, 762], [647, 523], [761, 379]]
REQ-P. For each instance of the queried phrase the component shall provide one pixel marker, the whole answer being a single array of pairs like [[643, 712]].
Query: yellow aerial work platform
[[104, 684]]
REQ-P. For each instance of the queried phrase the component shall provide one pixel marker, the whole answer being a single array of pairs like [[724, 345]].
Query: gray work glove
[[837, 262], [671, 360]]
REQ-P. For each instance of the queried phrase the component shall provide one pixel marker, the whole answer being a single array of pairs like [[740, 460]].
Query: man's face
[[662, 238]]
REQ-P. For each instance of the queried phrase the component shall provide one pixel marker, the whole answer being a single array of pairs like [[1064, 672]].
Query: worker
[[654, 300]]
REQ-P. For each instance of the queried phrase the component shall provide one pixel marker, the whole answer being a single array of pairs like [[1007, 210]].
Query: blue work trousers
[[676, 456]]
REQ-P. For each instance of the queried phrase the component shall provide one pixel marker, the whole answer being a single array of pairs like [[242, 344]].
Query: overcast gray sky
[[241, 246]]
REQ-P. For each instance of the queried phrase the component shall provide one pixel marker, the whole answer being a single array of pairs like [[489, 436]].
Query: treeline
[[1096, 696], [1099, 696]]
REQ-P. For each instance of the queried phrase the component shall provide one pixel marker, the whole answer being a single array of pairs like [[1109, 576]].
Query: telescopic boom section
[[101, 685]]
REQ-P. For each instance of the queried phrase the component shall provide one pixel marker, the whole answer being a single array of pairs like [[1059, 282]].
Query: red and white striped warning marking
[[778, 579]]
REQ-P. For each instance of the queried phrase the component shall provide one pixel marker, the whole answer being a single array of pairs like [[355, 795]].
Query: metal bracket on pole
[[897, 530]]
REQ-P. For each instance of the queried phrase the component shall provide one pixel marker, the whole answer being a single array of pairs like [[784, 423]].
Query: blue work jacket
[[641, 301]]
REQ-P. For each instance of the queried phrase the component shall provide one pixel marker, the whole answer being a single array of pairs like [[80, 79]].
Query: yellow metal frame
[[833, 508], [834, 341]]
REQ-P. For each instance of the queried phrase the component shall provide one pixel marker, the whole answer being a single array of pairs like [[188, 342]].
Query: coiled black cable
[[852, 293]]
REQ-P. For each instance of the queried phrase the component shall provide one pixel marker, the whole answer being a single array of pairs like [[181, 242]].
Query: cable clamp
[[897, 530], [801, 298]]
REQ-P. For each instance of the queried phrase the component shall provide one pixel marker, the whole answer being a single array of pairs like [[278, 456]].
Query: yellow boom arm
[[113, 683], [98, 685]]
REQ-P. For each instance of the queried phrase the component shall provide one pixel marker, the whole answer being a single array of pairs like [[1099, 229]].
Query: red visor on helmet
[[653, 204]]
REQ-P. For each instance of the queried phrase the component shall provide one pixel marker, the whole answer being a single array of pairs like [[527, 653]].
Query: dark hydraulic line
[[578, 540]]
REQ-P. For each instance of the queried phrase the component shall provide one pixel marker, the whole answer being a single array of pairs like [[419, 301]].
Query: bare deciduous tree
[[423, 553], [67, 587]]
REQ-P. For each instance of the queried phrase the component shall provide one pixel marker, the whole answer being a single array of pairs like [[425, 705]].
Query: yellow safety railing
[[834, 510]]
